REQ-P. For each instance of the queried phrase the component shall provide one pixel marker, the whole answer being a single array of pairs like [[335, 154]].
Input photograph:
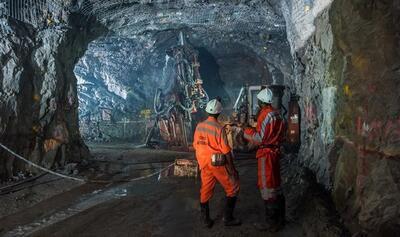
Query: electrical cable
[[40, 167], [79, 179], [188, 109]]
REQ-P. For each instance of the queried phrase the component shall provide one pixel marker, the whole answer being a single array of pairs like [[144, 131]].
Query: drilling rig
[[174, 109], [177, 107]]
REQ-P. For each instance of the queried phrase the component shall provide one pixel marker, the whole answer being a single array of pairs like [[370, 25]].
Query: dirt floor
[[166, 205]]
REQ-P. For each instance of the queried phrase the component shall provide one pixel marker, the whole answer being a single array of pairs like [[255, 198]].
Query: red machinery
[[175, 108]]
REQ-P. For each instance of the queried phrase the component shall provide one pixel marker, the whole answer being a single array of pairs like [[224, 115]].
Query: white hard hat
[[265, 95], [214, 107]]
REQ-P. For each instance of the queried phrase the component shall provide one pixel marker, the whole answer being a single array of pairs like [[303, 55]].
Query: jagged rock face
[[347, 77], [116, 74], [14, 77], [123, 73], [300, 17], [257, 24], [313, 83], [368, 121], [240, 42], [38, 96]]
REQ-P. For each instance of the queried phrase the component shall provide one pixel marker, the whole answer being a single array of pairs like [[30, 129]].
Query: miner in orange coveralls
[[216, 164], [269, 135]]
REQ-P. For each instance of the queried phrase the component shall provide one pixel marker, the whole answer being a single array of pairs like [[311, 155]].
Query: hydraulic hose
[[157, 101]]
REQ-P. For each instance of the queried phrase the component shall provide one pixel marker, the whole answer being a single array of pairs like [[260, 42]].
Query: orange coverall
[[269, 133], [209, 139]]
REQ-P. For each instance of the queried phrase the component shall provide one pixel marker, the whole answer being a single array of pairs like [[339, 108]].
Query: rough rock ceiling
[[130, 16], [257, 24], [254, 23]]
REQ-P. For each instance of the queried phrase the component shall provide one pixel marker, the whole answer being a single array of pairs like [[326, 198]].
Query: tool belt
[[268, 146], [218, 159]]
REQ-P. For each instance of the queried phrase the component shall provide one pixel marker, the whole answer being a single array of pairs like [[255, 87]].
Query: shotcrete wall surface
[[347, 74]]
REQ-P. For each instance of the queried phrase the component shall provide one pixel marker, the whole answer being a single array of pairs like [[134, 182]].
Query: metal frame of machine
[[174, 109], [245, 114]]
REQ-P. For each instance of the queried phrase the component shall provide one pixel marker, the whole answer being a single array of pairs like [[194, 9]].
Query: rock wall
[[16, 46], [300, 16], [347, 74], [38, 109]]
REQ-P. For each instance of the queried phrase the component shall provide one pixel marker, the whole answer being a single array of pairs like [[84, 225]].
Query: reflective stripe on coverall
[[209, 139], [269, 131]]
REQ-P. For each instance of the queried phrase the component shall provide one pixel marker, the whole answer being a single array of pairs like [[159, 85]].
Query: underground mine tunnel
[[103, 103]]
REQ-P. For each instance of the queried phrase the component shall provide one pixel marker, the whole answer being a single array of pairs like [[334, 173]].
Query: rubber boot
[[271, 218], [229, 220], [205, 215], [282, 210]]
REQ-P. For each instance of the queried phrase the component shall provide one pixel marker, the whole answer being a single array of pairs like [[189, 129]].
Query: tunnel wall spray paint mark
[[378, 130]]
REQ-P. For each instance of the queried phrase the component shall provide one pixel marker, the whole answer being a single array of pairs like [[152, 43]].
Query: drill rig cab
[[246, 105], [246, 112]]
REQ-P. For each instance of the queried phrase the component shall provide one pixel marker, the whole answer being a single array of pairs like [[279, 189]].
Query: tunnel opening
[[114, 91], [118, 79], [346, 90], [228, 67]]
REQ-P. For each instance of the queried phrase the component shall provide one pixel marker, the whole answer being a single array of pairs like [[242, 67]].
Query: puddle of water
[[96, 191]]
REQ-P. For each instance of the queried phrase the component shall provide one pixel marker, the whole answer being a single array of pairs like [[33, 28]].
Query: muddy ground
[[164, 205]]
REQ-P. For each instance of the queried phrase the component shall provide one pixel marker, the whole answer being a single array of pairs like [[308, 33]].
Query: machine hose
[[157, 101], [188, 109]]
